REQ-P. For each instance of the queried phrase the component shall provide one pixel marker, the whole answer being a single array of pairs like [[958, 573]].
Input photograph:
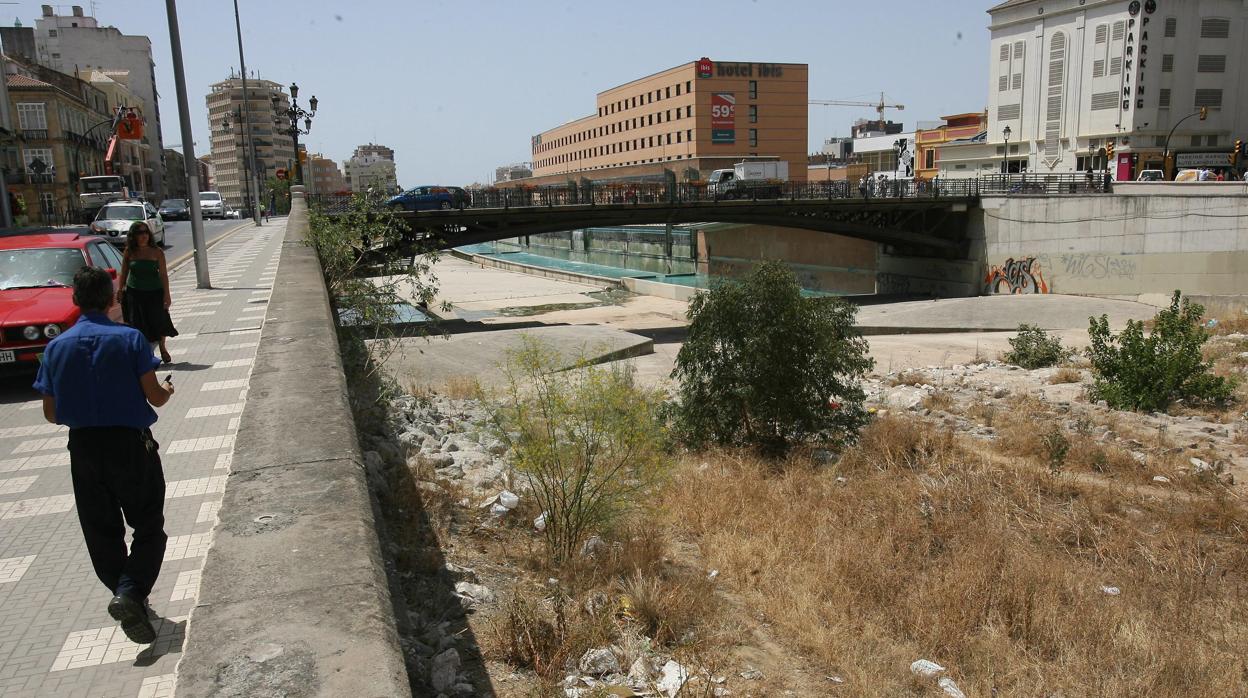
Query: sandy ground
[[492, 296]]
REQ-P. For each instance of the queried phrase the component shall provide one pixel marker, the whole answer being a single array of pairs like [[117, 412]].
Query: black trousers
[[117, 473]]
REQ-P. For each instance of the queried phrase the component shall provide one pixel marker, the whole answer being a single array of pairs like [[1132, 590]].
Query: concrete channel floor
[[56, 639]]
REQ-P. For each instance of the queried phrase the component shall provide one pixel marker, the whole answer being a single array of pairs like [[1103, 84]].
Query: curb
[[180, 261]]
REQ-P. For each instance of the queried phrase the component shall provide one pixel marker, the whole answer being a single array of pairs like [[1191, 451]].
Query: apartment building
[[273, 150]]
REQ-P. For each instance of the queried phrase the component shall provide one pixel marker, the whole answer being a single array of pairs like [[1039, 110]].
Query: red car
[[36, 295]]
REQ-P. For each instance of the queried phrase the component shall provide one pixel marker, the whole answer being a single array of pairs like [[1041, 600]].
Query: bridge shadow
[[411, 516]]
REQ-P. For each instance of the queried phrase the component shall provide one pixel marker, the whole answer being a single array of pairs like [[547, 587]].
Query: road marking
[[224, 461], [215, 410], [12, 568], [42, 444], [109, 645], [213, 484], [224, 385], [10, 432], [208, 512], [183, 547], [158, 686], [186, 586], [50, 460], [36, 507], [233, 363], [17, 485], [206, 443]]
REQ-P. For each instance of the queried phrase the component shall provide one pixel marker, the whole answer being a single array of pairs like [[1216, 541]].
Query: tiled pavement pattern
[[56, 638]]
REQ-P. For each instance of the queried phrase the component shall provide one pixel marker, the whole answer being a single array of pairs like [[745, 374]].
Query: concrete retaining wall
[[293, 600], [1141, 243], [821, 261]]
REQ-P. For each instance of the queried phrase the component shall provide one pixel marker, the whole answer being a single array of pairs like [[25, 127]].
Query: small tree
[[765, 367], [587, 439], [1148, 373], [1032, 347], [367, 306]]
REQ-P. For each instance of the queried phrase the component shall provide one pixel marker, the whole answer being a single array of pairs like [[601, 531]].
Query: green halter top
[[144, 275]]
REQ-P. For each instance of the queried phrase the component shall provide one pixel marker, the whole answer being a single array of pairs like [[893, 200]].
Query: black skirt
[[145, 311]]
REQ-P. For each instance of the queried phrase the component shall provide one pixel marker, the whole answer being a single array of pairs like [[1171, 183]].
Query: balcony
[[35, 134], [29, 178]]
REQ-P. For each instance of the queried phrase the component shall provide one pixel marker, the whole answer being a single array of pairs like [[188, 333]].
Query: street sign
[[281, 173], [705, 67]]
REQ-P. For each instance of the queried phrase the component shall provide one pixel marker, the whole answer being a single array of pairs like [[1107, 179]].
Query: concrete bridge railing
[[293, 600]]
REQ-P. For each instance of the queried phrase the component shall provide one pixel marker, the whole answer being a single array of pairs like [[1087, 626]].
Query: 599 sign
[[723, 117]]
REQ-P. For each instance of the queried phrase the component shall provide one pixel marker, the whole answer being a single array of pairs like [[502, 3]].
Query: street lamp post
[[247, 170], [1005, 161], [293, 114], [1203, 113]]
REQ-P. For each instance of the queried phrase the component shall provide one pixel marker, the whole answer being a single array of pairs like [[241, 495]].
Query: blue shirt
[[93, 371]]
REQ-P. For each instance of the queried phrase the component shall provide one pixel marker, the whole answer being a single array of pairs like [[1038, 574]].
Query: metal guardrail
[[593, 194], [1097, 182], [660, 193]]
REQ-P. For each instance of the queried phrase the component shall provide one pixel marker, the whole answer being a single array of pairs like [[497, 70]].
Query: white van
[[211, 205]]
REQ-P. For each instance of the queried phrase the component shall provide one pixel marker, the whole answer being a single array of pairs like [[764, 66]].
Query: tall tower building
[[273, 150], [75, 43]]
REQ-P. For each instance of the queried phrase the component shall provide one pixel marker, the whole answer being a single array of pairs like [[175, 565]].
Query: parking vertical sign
[[723, 117]]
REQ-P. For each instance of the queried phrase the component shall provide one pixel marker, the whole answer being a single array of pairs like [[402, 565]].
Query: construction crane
[[879, 106]]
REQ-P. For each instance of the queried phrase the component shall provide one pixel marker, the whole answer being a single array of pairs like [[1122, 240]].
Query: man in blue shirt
[[99, 379]]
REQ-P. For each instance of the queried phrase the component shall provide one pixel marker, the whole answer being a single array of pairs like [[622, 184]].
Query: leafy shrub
[[1149, 373], [1032, 347], [765, 367], [587, 439]]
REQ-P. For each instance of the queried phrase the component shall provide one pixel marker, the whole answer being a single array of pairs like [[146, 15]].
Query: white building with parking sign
[[1073, 83]]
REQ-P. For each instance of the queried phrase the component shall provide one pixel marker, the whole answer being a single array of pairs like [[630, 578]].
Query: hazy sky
[[457, 88]]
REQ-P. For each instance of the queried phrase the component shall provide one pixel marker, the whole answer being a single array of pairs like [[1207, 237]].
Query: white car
[[115, 218], [1151, 176], [211, 205]]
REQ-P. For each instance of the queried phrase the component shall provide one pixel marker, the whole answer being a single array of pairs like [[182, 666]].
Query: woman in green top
[[143, 289]]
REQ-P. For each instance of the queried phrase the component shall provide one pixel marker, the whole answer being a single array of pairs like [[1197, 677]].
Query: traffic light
[[1239, 146], [1204, 113], [1109, 150], [1233, 158]]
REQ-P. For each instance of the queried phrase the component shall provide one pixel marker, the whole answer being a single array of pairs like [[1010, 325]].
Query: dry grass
[[939, 400], [461, 387], [1066, 374], [630, 595], [932, 550]]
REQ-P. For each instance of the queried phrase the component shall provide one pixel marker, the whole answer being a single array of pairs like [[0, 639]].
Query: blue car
[[425, 199]]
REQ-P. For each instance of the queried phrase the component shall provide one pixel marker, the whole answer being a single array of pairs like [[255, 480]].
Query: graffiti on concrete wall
[[1098, 266], [1015, 276]]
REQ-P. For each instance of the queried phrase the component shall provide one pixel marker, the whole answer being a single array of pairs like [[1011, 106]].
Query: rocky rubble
[[946, 393]]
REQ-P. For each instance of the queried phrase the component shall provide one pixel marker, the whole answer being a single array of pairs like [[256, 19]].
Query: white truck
[[750, 179]]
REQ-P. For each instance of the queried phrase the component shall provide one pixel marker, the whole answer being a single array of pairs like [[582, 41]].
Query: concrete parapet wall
[[294, 599], [1126, 245]]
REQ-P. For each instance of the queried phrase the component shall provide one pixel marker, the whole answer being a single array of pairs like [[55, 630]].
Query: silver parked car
[[115, 218]]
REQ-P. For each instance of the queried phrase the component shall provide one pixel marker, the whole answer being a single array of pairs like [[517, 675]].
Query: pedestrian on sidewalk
[[99, 379], [143, 289]]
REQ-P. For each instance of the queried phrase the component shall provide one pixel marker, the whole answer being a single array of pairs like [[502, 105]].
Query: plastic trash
[[1111, 591], [509, 499], [497, 509], [925, 667], [950, 688], [540, 522], [673, 678], [1161, 478]]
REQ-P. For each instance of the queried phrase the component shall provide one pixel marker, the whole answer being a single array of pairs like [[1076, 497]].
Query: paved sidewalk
[[56, 638]]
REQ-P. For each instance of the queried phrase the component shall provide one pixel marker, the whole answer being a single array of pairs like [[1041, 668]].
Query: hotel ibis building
[[691, 119]]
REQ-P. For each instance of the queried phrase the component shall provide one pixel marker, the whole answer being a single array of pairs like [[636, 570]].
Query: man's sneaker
[[132, 615]]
